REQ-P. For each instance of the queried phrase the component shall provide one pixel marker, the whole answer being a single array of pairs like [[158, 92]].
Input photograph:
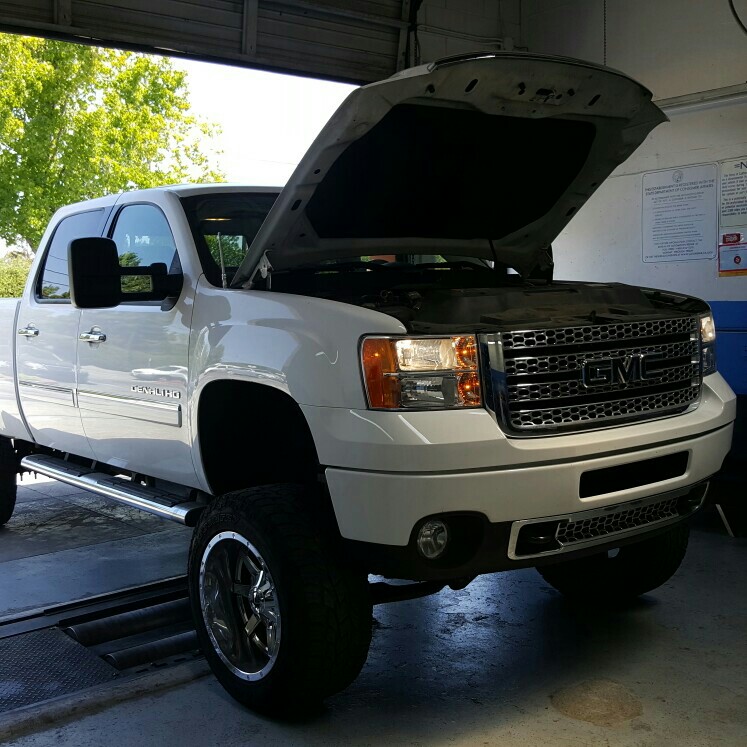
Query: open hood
[[448, 157]]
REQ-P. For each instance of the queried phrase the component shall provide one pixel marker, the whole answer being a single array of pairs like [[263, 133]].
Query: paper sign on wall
[[680, 214], [732, 260], [734, 192]]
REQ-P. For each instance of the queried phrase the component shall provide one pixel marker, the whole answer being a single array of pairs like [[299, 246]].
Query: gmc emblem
[[624, 370]]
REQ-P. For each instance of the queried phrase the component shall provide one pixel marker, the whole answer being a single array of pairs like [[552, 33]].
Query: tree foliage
[[78, 122], [14, 269], [233, 248]]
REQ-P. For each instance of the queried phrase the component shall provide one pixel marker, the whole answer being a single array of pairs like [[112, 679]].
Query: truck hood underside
[[456, 155], [460, 299]]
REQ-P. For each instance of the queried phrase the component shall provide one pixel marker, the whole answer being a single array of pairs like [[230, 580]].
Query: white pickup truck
[[373, 370]]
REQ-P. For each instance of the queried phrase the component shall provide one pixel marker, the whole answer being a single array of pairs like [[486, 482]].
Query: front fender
[[308, 347]]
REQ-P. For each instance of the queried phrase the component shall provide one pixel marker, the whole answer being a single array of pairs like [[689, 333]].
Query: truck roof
[[182, 190], [193, 189]]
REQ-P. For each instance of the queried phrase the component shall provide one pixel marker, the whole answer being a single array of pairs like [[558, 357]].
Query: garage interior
[[505, 660]]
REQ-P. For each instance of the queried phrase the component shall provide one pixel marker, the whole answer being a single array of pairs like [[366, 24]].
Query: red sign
[[731, 238]]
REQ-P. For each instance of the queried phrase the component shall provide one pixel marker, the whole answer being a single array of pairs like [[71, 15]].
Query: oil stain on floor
[[601, 702]]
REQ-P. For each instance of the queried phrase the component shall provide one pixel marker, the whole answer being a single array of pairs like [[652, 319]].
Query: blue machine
[[731, 352], [731, 342]]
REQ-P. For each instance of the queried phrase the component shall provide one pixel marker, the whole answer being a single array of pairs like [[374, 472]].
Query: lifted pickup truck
[[373, 371]]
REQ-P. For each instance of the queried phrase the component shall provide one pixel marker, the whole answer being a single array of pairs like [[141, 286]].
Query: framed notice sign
[[732, 260], [734, 192], [680, 214]]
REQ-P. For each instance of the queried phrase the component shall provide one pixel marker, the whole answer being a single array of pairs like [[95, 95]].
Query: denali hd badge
[[623, 370], [157, 391]]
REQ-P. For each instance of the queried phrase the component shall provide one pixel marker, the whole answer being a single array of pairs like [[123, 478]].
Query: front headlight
[[707, 329], [421, 373], [707, 344]]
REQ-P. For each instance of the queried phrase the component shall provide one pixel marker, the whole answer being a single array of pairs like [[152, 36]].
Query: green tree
[[233, 248], [14, 269], [78, 122], [129, 259], [133, 283]]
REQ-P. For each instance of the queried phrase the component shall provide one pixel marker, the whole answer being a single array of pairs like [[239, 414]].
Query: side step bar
[[154, 501]]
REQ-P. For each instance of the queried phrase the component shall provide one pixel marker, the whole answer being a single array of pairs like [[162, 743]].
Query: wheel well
[[251, 434]]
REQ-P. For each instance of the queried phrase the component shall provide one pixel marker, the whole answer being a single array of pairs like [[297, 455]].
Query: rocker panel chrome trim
[[58, 395], [130, 407]]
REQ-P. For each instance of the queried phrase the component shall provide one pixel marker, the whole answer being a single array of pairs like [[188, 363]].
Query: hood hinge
[[264, 268]]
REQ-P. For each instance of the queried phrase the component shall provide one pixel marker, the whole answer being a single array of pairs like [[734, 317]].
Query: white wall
[[449, 27], [674, 47], [604, 241]]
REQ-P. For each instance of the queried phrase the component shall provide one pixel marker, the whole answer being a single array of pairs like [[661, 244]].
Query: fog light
[[432, 539]]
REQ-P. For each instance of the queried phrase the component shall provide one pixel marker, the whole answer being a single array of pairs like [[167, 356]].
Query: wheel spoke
[[260, 645], [272, 640], [266, 585], [224, 566], [251, 625], [250, 566], [260, 580], [242, 590], [212, 588], [270, 613], [215, 611], [221, 626]]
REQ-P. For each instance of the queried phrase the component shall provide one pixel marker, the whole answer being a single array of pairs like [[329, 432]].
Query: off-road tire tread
[[635, 570], [334, 607], [8, 481]]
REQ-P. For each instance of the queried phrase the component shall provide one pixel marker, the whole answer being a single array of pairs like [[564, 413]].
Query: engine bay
[[470, 295]]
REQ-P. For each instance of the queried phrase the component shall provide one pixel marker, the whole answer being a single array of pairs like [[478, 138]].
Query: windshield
[[225, 223]]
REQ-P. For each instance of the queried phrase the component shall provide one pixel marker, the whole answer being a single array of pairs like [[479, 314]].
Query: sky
[[268, 120]]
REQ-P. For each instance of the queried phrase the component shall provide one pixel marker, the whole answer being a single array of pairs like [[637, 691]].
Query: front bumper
[[384, 507], [479, 546], [388, 472]]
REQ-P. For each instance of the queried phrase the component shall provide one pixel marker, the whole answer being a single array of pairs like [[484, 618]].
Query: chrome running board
[[158, 502]]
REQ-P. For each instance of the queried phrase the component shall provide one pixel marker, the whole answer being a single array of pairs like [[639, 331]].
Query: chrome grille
[[570, 378], [603, 410], [535, 338], [573, 361], [556, 389], [583, 530]]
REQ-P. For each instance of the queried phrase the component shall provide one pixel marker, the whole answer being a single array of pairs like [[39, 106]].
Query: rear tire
[[8, 480], [634, 570], [282, 621]]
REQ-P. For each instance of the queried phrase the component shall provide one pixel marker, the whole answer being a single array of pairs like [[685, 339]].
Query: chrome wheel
[[239, 605]]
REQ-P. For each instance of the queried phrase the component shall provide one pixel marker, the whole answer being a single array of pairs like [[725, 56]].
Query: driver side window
[[143, 237]]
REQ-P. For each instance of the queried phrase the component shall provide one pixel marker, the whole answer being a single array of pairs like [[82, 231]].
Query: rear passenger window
[[143, 237], [54, 281]]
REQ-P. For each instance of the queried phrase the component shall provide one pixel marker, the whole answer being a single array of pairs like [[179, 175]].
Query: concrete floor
[[504, 662], [63, 543]]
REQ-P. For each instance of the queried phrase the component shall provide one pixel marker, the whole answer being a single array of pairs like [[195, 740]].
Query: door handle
[[92, 336], [29, 331]]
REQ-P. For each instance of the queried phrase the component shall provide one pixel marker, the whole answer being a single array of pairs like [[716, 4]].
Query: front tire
[[282, 622], [8, 481], [634, 570]]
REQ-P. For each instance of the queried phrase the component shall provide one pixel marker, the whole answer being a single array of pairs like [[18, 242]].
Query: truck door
[[47, 342], [132, 360]]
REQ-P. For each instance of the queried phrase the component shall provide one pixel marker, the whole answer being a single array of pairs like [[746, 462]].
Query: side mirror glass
[[97, 281], [95, 277], [150, 283]]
